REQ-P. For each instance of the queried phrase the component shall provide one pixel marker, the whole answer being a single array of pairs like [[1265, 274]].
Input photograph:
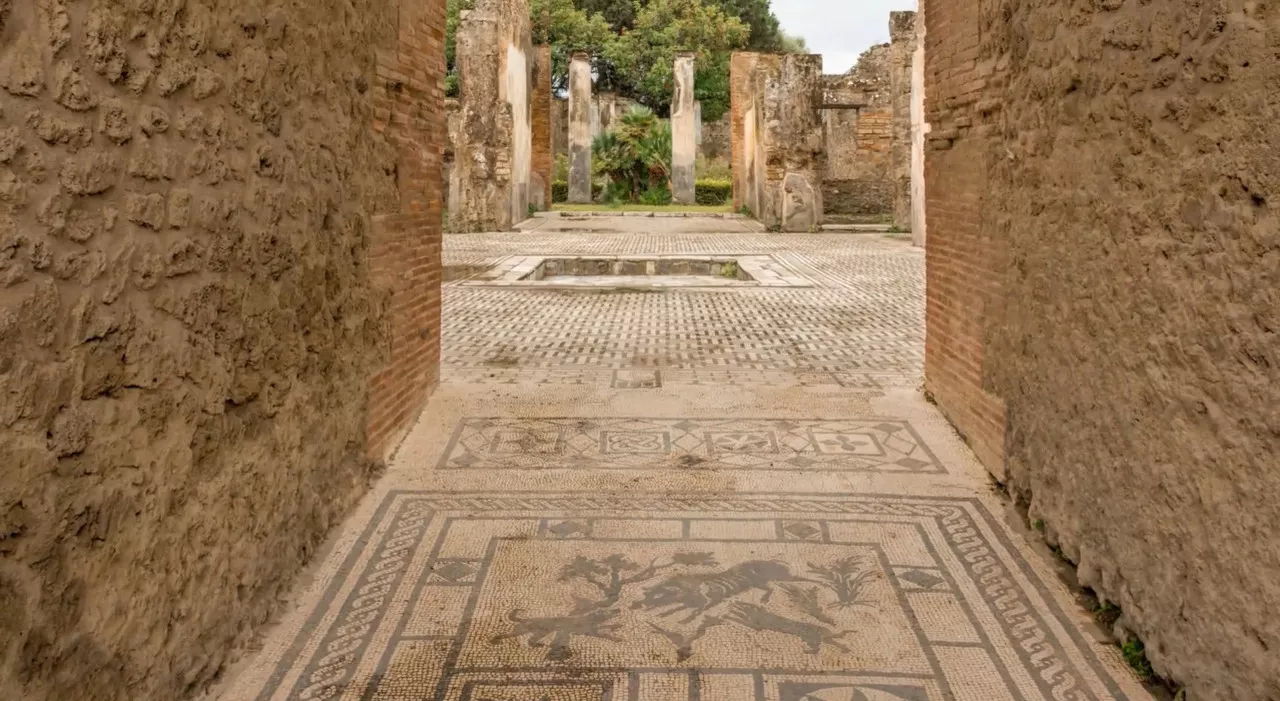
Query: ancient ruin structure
[[778, 144], [858, 131], [540, 123], [684, 127], [220, 315], [580, 128], [902, 48], [867, 120], [493, 152]]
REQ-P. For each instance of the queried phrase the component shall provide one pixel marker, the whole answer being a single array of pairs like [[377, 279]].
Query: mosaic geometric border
[[353, 646], [853, 445]]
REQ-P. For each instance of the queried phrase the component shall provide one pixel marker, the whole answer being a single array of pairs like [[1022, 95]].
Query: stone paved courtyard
[[679, 494]]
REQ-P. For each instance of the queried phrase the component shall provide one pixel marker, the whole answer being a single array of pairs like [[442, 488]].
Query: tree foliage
[[636, 156], [643, 57], [633, 43]]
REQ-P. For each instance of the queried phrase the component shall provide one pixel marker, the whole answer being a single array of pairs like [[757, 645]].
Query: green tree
[[642, 58], [567, 29], [620, 14]]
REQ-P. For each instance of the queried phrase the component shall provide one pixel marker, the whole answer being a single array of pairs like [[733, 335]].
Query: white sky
[[840, 30]]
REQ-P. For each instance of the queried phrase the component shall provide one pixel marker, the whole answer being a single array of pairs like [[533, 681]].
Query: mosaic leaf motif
[[699, 599]]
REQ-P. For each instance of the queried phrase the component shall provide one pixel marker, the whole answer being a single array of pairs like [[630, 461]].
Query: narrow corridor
[[730, 488]]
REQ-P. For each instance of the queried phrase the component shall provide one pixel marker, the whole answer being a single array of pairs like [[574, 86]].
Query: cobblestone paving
[[685, 495]]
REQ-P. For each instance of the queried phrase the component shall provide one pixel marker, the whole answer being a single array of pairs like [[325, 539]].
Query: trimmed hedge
[[560, 192], [710, 193], [713, 193]]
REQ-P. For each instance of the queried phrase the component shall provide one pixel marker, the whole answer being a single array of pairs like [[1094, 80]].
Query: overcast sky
[[840, 30]]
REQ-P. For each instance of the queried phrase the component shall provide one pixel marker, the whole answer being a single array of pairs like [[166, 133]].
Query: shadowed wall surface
[[219, 304], [1104, 260]]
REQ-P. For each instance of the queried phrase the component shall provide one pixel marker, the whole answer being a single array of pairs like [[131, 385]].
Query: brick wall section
[[960, 262], [741, 95], [406, 252], [540, 119]]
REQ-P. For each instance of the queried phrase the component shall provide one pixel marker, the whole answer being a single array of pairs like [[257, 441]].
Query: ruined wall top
[[865, 85], [902, 26]]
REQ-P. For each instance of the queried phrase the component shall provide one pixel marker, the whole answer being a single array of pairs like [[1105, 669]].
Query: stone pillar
[[684, 146], [493, 147], [540, 117], [902, 47], [919, 132], [778, 147], [580, 128]]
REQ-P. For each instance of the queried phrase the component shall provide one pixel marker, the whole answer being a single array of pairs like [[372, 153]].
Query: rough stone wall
[[1117, 196], [493, 166], [453, 119], [902, 46], [779, 157], [540, 122], [195, 206], [716, 138], [859, 129]]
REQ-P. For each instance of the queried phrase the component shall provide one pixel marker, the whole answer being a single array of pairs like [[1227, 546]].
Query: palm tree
[[635, 155]]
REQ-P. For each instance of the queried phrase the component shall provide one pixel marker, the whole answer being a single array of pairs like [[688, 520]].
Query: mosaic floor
[[684, 495]]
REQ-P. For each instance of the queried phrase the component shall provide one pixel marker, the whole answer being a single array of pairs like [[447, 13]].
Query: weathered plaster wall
[[902, 47], [1101, 176], [779, 156], [684, 128], [196, 206], [919, 130], [493, 145], [580, 135]]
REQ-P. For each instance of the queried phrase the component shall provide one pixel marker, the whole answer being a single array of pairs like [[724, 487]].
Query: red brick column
[[961, 262], [540, 120], [405, 255]]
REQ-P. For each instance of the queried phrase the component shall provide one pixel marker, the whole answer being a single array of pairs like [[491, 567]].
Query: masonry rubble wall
[[489, 187], [219, 253], [778, 147], [858, 126], [1102, 303], [716, 138]]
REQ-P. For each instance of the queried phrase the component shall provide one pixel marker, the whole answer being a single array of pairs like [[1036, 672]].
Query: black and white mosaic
[[746, 597], [871, 445]]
